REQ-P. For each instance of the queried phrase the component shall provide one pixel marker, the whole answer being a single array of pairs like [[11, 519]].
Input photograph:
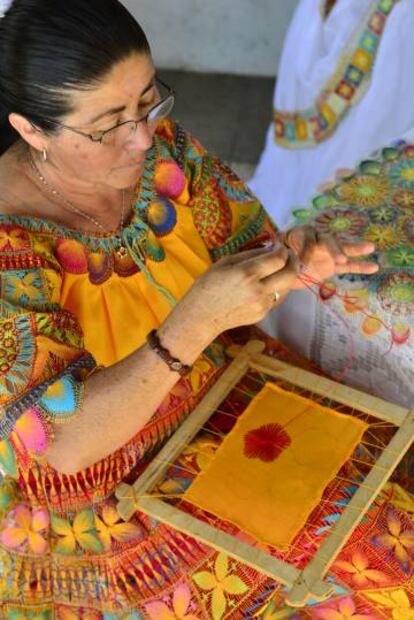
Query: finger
[[270, 263], [330, 243], [282, 281], [301, 239], [307, 242], [246, 255], [363, 248], [361, 267]]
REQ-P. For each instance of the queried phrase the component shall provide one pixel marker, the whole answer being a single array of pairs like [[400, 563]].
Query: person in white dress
[[344, 88], [317, 131]]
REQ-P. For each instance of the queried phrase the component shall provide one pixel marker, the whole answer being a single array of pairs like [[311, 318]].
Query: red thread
[[266, 443], [307, 280]]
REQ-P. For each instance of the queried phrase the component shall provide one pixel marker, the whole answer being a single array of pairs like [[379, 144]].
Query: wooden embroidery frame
[[307, 584]]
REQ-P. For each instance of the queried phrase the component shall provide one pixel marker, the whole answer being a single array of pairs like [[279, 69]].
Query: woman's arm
[[120, 400]]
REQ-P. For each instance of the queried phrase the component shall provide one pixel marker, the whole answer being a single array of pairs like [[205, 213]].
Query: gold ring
[[277, 296]]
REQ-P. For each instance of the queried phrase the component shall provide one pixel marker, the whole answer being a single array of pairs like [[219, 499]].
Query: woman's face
[[128, 92]]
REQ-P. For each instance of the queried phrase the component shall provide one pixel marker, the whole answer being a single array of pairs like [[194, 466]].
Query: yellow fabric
[[272, 500], [117, 315], [70, 300]]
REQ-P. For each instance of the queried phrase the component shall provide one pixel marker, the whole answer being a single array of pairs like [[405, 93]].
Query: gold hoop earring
[[44, 154]]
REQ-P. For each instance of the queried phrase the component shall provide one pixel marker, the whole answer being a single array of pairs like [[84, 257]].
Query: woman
[[338, 97], [117, 232]]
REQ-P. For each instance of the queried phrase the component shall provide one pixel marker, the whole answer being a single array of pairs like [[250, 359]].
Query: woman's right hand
[[240, 289]]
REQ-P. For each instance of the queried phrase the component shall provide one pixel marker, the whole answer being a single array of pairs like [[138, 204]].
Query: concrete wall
[[226, 36]]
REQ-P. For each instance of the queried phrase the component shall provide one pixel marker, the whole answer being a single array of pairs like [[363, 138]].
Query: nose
[[140, 138]]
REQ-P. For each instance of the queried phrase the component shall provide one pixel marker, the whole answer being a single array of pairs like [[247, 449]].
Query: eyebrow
[[119, 109]]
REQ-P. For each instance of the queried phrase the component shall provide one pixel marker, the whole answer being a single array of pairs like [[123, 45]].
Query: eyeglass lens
[[119, 134]]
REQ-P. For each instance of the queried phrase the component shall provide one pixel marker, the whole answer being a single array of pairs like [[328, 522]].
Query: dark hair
[[50, 47]]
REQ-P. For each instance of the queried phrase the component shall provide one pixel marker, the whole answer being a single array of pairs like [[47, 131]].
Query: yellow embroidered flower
[[111, 527], [364, 191], [396, 601], [24, 287], [382, 236], [220, 584], [14, 239], [81, 533]]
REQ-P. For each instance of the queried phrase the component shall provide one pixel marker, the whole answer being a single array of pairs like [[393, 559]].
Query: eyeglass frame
[[171, 93]]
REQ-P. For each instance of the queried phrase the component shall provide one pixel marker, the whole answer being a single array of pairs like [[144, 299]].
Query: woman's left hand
[[324, 256]]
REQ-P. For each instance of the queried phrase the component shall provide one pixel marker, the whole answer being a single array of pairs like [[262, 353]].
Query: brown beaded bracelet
[[172, 362]]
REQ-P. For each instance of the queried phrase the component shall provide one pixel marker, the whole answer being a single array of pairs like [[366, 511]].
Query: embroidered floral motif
[[344, 609], [399, 541], [266, 443], [404, 199], [180, 608], [396, 601], [221, 584], [403, 174], [362, 575], [24, 529], [364, 191], [16, 335], [379, 197], [341, 222], [306, 128], [383, 237], [110, 528], [76, 536], [396, 294], [13, 239]]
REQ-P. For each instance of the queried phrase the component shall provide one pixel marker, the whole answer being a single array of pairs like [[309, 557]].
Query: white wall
[[225, 36]]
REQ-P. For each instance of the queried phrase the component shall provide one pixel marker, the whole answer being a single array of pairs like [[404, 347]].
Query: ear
[[30, 134]]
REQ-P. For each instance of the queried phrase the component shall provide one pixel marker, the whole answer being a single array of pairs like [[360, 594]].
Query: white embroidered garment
[[376, 357], [286, 179]]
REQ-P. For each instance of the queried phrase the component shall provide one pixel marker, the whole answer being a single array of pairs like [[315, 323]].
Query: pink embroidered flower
[[266, 443], [344, 609], [26, 528], [181, 606]]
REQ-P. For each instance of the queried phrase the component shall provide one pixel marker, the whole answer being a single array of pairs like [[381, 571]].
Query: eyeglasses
[[119, 134]]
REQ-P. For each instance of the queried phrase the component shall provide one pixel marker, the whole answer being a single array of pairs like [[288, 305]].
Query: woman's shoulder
[[27, 243], [178, 143]]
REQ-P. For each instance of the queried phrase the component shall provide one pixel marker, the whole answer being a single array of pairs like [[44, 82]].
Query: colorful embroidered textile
[[279, 457], [364, 324], [288, 178], [300, 129], [65, 554]]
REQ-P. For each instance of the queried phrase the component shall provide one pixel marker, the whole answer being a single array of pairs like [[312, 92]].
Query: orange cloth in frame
[[270, 471]]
